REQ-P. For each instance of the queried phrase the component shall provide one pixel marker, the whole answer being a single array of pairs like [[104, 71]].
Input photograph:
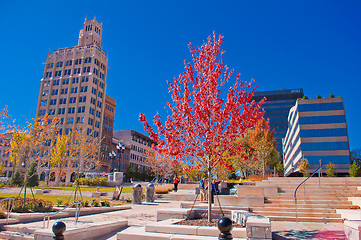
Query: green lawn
[[86, 188], [52, 198]]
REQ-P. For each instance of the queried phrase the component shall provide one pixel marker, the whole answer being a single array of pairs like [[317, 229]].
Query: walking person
[[175, 182], [202, 188]]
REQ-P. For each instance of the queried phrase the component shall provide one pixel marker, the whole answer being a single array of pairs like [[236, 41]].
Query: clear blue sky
[[314, 45]]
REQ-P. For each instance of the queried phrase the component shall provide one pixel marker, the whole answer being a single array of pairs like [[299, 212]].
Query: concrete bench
[[352, 229], [257, 227], [98, 194]]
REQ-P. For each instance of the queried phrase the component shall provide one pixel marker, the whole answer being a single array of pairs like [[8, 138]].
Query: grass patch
[[53, 198], [84, 188]]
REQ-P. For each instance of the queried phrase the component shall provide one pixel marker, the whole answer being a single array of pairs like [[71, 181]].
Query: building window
[[74, 90], [90, 121], [96, 124], [84, 89], [91, 111], [82, 99], [46, 83], [75, 80], [102, 66], [95, 81], [71, 110], [61, 111], [67, 72], [101, 75], [94, 91], [64, 91], [80, 120], [85, 70], [51, 111], [53, 102], [49, 74], [88, 60], [100, 94], [56, 82], [59, 64], [95, 71], [50, 65], [69, 63], [57, 73], [66, 81], [62, 101], [76, 70], [67, 131], [99, 104], [72, 100], [78, 61], [70, 120], [45, 93], [92, 101], [81, 109], [98, 114], [55, 92], [101, 85], [84, 79], [42, 112]]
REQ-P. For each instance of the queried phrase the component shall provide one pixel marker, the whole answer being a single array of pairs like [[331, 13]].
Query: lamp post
[[112, 156], [120, 148]]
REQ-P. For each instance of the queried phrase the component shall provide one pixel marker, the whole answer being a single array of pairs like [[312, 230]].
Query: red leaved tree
[[202, 125]]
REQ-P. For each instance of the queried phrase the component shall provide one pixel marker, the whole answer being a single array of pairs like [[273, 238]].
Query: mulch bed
[[202, 222]]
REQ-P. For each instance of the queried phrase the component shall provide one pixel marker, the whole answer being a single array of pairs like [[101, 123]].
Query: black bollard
[[225, 226], [58, 230]]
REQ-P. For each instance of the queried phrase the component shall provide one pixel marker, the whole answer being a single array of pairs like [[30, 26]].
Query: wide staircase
[[315, 203]]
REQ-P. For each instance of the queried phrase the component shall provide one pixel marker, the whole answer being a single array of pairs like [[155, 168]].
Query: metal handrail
[[295, 194], [77, 213], [10, 208]]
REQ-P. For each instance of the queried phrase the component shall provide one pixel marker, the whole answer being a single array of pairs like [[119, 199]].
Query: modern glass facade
[[317, 130], [277, 106]]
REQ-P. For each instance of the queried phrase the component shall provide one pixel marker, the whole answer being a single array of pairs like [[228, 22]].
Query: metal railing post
[[295, 193], [319, 175]]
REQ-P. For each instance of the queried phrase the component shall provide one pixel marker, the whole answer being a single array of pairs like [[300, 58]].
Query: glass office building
[[277, 106], [317, 131]]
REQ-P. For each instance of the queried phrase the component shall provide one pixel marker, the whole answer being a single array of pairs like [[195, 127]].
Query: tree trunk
[[209, 194]]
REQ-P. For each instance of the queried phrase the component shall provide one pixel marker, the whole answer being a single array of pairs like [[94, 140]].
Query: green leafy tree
[[16, 179], [319, 96], [355, 170], [331, 170], [280, 168], [303, 167], [332, 96], [33, 177]]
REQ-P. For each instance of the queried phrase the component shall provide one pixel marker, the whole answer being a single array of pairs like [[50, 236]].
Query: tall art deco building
[[73, 89]]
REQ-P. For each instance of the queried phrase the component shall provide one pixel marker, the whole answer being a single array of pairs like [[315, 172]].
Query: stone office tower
[[73, 88]]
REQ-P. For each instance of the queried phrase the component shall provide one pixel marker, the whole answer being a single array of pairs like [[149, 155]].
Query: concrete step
[[299, 214], [19, 228], [139, 233], [15, 235], [299, 205], [293, 209], [304, 219]]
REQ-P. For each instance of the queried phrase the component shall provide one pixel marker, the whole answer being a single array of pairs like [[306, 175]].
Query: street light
[[120, 148], [112, 156]]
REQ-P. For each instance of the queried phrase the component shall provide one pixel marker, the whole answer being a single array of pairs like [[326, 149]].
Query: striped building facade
[[317, 130]]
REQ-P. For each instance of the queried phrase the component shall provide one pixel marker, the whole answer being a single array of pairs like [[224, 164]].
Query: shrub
[[85, 203], [97, 181], [355, 170], [331, 170], [332, 96], [59, 202], [95, 203], [303, 166], [106, 203], [31, 205], [164, 188], [318, 96]]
